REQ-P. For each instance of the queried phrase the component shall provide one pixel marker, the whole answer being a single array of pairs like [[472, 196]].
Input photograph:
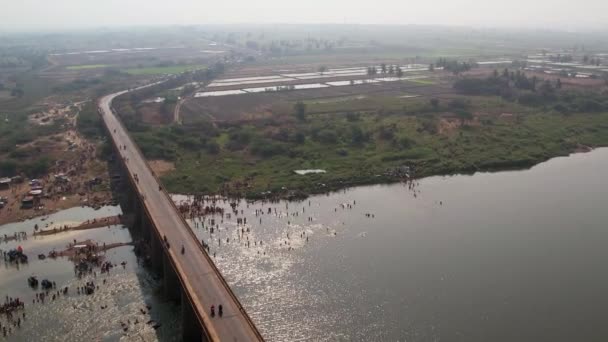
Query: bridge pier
[[171, 285], [191, 328], [137, 218], [156, 253], [145, 226]]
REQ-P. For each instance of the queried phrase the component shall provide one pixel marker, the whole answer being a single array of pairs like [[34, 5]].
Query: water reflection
[[491, 257]]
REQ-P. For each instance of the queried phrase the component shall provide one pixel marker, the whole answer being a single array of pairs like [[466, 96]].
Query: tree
[[391, 69], [299, 138], [586, 59], [432, 67], [371, 71], [459, 104], [558, 84], [213, 147], [322, 69], [383, 68], [434, 103], [495, 73], [357, 135], [300, 110], [546, 89], [399, 72], [8, 168], [17, 92], [464, 115], [352, 116]]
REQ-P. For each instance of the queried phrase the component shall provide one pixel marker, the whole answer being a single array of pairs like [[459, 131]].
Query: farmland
[[87, 66], [249, 144], [159, 70], [367, 105]]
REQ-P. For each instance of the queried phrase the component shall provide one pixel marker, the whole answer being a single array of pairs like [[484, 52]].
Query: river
[[506, 256]]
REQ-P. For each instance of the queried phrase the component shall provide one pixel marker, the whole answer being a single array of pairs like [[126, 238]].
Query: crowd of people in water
[[87, 263], [16, 236], [224, 221], [209, 213], [12, 309]]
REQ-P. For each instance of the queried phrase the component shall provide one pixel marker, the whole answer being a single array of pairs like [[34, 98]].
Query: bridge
[[192, 277]]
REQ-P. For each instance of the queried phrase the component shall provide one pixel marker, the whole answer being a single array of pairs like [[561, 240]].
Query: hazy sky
[[59, 14]]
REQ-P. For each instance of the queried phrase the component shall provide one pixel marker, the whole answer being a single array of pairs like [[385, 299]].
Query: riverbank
[[255, 182], [493, 239]]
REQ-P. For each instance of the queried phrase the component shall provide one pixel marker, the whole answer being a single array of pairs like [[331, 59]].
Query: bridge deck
[[199, 277]]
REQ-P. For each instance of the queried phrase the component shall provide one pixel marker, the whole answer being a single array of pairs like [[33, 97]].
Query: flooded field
[[219, 93], [273, 88]]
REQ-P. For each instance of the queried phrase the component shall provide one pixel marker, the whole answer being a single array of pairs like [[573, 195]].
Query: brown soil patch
[[161, 167], [447, 126], [261, 105], [151, 114], [76, 158]]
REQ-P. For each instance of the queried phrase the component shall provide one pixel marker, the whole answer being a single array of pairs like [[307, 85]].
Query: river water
[[507, 256], [77, 317]]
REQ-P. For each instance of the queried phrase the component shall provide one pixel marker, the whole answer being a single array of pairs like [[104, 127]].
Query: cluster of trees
[[517, 64], [561, 58], [22, 56], [89, 122], [284, 46], [33, 169], [453, 65], [502, 84], [385, 69], [592, 60], [569, 102], [77, 85], [516, 86]]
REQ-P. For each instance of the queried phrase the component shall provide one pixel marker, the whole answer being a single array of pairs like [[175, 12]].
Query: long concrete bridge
[[190, 277]]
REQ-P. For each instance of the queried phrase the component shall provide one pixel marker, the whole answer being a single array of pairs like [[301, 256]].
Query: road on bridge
[[196, 271]]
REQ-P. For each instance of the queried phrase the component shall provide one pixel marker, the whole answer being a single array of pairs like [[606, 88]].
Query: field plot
[[87, 66], [176, 69]]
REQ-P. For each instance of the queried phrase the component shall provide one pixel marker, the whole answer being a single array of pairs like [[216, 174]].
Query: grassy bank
[[365, 147]]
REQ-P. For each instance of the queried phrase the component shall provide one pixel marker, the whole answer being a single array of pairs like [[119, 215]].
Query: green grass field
[[86, 67], [423, 81], [175, 69]]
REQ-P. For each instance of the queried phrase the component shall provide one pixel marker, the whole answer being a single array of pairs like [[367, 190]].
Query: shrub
[[327, 136], [213, 147]]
